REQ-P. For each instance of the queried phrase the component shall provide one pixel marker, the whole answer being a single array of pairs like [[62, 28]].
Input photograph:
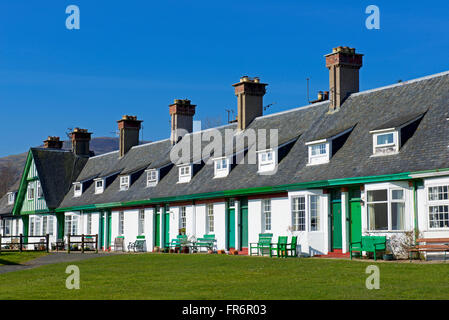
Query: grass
[[176, 276], [11, 258]]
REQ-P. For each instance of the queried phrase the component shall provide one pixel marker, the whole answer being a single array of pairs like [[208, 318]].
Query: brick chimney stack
[[129, 128], [249, 94], [181, 112], [81, 142], [53, 143], [344, 65]]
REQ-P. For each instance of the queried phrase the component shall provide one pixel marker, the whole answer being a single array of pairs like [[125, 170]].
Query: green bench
[[369, 244], [138, 245], [263, 245], [291, 247], [178, 242], [207, 241], [280, 247]]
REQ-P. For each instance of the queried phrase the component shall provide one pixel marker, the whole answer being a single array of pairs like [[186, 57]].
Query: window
[[314, 201], [99, 186], [221, 167], [319, 153], [152, 178], [185, 174], [39, 191], [47, 225], [438, 206], [121, 223], [30, 192], [267, 161], [210, 218], [71, 225], [385, 143], [35, 226], [78, 189], [299, 213], [124, 183], [386, 209], [182, 218], [7, 227], [11, 198], [141, 222], [17, 222], [266, 214], [89, 224]]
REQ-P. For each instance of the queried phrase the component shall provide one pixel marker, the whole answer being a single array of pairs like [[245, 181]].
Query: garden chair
[[264, 244], [138, 245], [119, 243], [291, 247], [280, 247]]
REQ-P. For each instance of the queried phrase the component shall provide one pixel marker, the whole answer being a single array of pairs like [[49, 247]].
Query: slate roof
[[394, 105]]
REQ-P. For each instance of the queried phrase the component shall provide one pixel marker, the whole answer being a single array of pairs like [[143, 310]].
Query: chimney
[[181, 112], [53, 143], [129, 128], [343, 64], [80, 142], [249, 94]]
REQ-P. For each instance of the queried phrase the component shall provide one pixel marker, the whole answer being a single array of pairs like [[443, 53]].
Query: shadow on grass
[[7, 263]]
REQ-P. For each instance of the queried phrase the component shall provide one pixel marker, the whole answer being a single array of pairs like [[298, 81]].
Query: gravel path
[[51, 259]]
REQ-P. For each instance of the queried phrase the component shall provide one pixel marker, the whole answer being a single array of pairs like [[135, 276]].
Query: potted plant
[[235, 253], [185, 249], [157, 249], [171, 250]]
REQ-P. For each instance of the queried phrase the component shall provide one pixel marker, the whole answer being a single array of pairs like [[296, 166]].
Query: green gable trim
[[23, 186], [27, 213]]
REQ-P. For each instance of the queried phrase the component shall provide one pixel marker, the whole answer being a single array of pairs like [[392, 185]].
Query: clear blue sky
[[134, 57]]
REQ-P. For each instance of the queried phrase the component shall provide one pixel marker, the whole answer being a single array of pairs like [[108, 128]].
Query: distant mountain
[[14, 164]]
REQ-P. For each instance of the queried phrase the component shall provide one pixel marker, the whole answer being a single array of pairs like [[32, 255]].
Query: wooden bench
[[369, 244], [264, 244], [280, 247], [178, 242], [430, 245], [207, 241], [138, 245]]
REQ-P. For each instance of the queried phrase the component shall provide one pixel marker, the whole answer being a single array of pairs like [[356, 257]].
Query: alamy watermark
[[373, 20], [73, 20], [73, 280], [373, 280]]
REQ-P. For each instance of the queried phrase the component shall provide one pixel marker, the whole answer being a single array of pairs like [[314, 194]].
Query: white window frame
[[125, 182], [266, 214], [77, 193], [267, 160], [71, 224], [183, 217], [11, 198], [185, 173], [221, 167], [7, 226], [141, 222], [210, 218], [121, 223], [389, 202], [31, 189], [437, 203], [39, 191], [152, 177], [303, 223], [99, 190], [394, 146], [319, 158], [47, 225], [89, 224]]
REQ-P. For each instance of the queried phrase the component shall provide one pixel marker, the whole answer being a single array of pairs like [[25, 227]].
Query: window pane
[[314, 213], [397, 194], [378, 216], [299, 213], [377, 195], [385, 139], [397, 216], [439, 216]]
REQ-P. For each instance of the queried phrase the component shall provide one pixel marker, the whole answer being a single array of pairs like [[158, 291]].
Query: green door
[[157, 228], [231, 225], [355, 212], [101, 231], [108, 232], [243, 223], [166, 228], [25, 222], [60, 220], [336, 226]]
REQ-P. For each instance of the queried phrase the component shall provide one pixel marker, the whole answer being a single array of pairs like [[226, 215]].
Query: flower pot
[[388, 256]]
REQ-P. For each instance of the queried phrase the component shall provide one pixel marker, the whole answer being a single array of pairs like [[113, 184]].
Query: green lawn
[[176, 276], [9, 258]]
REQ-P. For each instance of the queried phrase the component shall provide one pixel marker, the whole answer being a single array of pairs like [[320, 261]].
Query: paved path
[[51, 259]]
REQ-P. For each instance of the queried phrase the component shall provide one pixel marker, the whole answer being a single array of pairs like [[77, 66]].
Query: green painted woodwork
[[231, 228], [26, 224], [355, 213], [109, 230], [369, 244], [263, 245], [101, 230], [291, 247], [60, 222], [243, 223], [336, 225], [166, 228], [23, 184], [157, 228]]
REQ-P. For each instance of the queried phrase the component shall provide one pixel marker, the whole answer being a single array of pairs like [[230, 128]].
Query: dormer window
[[185, 174], [77, 189], [267, 160], [385, 142], [124, 183], [99, 186], [11, 198], [152, 177], [319, 152], [221, 167], [30, 192]]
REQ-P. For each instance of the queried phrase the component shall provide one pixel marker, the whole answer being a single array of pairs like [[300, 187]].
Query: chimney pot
[[129, 128], [181, 112], [81, 142], [53, 143]]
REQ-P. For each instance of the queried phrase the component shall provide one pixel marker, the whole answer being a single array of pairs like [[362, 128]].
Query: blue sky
[[134, 57]]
